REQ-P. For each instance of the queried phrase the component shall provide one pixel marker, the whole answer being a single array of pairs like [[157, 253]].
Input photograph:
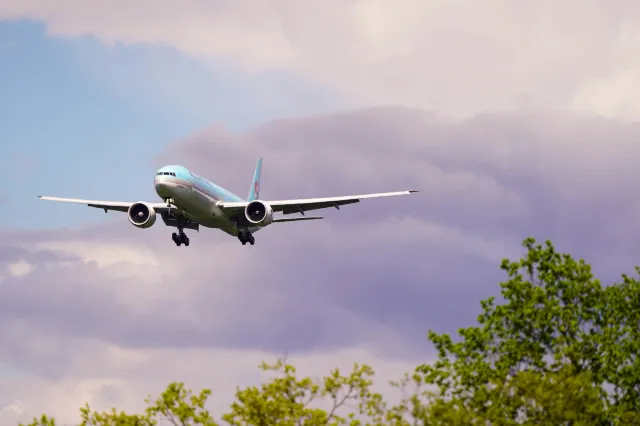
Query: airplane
[[191, 201]]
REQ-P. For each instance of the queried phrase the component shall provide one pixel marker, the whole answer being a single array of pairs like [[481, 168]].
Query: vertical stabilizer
[[254, 192]]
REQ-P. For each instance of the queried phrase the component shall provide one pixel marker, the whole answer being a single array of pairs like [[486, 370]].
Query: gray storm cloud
[[377, 274]]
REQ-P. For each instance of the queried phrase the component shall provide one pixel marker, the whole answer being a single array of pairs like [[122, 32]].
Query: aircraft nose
[[162, 188]]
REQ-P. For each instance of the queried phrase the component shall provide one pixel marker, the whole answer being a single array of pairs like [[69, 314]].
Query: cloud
[[108, 313], [107, 375], [458, 58], [111, 317]]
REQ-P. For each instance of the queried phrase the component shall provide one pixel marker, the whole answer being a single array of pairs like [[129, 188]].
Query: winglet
[[411, 191]]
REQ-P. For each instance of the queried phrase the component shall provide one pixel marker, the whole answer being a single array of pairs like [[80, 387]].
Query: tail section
[[254, 192]]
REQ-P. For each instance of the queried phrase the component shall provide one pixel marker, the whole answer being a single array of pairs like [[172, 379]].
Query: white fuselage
[[196, 198]]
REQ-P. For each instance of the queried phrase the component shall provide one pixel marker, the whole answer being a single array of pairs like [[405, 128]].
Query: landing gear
[[246, 237], [180, 238], [243, 233]]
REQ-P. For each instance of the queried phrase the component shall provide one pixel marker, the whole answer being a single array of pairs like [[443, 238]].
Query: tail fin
[[254, 192]]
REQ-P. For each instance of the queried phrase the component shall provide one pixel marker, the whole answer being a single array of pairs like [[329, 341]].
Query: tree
[[527, 398], [559, 349], [556, 319], [288, 400]]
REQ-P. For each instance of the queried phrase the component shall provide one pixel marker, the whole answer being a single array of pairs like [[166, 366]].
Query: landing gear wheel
[[246, 237], [180, 238]]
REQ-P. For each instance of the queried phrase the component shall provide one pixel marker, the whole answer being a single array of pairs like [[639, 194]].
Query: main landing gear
[[243, 233], [180, 238], [246, 237]]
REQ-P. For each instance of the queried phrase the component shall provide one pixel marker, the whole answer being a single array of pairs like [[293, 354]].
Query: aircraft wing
[[303, 205], [121, 206], [297, 219]]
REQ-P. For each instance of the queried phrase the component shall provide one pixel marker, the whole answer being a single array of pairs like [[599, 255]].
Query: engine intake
[[259, 213], [142, 215]]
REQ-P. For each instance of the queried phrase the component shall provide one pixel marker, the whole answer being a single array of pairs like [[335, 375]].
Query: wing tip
[[411, 191]]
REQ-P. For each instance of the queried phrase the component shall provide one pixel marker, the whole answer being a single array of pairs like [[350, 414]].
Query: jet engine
[[142, 215], [259, 213]]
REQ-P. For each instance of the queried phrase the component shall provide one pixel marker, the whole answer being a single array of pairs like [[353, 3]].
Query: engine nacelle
[[258, 213], [142, 215]]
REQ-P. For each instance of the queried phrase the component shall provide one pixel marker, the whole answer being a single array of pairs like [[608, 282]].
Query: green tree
[[556, 318], [527, 398], [288, 400], [181, 406]]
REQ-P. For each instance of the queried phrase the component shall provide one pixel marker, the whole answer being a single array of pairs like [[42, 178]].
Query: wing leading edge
[[306, 204], [121, 206]]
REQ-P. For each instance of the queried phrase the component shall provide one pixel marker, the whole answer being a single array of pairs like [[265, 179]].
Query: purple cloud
[[377, 274]]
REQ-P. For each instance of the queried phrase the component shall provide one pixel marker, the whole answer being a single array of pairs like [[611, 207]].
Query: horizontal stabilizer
[[295, 219]]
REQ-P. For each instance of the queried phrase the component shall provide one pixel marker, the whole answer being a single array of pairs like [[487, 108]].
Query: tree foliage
[[559, 348], [556, 320]]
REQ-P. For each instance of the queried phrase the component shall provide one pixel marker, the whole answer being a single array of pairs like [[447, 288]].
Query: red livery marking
[[255, 189]]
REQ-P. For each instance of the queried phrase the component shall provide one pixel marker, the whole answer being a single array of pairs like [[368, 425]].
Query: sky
[[513, 119], [82, 113]]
